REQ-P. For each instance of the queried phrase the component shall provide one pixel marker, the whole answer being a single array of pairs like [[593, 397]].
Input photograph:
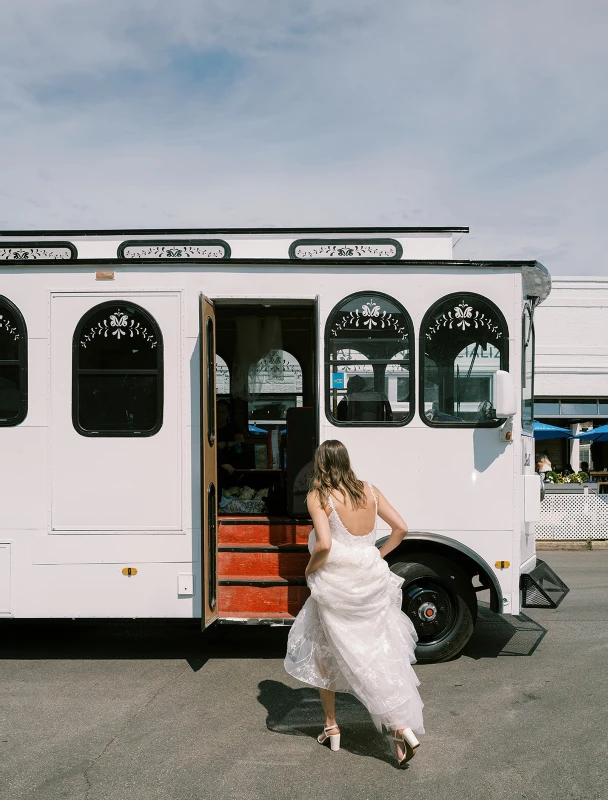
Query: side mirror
[[506, 402]]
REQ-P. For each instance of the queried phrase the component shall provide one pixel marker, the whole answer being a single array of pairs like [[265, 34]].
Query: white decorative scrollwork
[[464, 316], [174, 251], [9, 327], [35, 253], [119, 324], [346, 250], [370, 315]]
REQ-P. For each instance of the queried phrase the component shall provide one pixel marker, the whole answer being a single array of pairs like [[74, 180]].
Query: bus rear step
[[542, 588]]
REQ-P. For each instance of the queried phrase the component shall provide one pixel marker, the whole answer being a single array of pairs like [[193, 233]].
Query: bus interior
[[266, 395]]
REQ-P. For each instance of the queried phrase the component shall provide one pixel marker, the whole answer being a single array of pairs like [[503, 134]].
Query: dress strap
[[330, 500], [371, 488]]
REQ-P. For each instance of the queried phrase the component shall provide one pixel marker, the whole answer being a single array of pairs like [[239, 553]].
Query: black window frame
[[528, 310], [211, 554], [21, 362], [173, 244], [504, 360], [106, 434], [210, 378], [367, 294]]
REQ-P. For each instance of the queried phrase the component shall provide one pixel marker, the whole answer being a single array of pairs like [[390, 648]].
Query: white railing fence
[[568, 515]]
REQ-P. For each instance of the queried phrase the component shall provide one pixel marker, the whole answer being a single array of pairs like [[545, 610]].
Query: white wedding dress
[[351, 635]]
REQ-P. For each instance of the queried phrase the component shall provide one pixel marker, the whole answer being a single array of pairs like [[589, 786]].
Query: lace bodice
[[340, 532]]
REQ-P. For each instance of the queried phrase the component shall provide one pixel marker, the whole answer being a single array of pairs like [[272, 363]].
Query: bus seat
[[370, 406]]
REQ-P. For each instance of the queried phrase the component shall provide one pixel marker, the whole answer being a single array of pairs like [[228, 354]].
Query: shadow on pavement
[[136, 639], [494, 636], [298, 712], [497, 635]]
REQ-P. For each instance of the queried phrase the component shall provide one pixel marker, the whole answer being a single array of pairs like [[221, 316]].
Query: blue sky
[[128, 113]]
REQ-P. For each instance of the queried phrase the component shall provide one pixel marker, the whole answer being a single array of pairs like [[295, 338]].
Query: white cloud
[[262, 112]]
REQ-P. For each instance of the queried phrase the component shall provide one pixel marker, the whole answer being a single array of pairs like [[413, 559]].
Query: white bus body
[[111, 526]]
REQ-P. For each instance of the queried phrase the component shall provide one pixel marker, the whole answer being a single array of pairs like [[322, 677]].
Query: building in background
[[571, 370]]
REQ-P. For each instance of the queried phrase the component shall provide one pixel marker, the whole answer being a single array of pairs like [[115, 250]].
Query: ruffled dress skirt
[[352, 636]]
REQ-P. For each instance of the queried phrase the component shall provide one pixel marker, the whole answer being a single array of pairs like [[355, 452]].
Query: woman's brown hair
[[331, 471]]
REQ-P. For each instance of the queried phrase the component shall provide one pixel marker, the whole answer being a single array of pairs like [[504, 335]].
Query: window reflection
[[275, 385], [527, 383], [222, 377], [368, 361], [465, 339]]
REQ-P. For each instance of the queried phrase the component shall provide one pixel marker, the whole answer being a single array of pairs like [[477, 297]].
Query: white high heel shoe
[[410, 745], [334, 738]]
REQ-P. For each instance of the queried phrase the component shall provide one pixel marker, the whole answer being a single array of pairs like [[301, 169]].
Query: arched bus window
[[368, 369], [222, 378], [275, 385], [13, 364], [464, 341], [117, 359]]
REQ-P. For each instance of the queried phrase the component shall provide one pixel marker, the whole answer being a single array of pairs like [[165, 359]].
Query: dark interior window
[[117, 361], [13, 364], [368, 368], [463, 342], [527, 382]]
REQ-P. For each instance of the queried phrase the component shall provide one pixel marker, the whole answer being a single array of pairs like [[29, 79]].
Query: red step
[[261, 563], [258, 618], [260, 593], [262, 530], [242, 561]]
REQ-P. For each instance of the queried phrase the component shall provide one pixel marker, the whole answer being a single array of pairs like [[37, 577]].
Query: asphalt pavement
[[146, 710]]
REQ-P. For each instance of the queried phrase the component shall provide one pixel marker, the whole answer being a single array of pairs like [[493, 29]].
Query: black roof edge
[[216, 231], [227, 263]]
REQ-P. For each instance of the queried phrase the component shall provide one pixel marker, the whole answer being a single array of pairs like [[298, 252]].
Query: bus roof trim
[[234, 231], [536, 278]]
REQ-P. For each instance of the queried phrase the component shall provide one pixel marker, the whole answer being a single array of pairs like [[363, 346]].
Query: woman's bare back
[[357, 521]]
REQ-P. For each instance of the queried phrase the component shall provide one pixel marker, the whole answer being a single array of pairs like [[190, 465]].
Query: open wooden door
[[208, 467]]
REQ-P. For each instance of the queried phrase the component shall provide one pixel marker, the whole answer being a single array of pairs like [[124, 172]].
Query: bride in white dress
[[351, 635]]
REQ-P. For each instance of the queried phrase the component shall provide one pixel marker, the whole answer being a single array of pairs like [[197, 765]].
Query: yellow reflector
[[502, 564], [104, 275], [132, 571]]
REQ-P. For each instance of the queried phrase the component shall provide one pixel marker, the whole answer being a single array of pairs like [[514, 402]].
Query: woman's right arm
[[395, 521], [322, 534]]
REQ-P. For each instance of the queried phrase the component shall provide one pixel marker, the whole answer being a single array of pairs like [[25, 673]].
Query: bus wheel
[[439, 599]]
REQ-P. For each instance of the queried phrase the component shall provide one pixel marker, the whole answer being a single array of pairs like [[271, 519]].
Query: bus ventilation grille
[[542, 588]]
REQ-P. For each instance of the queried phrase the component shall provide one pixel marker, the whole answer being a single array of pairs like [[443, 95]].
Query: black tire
[[436, 587]]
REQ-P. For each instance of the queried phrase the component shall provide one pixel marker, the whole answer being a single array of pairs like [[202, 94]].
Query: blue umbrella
[[256, 430], [595, 434], [543, 431]]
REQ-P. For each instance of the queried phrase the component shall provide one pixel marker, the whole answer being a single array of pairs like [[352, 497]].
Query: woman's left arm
[[322, 534]]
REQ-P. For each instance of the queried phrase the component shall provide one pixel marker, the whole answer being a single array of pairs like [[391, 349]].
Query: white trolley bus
[[115, 346]]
